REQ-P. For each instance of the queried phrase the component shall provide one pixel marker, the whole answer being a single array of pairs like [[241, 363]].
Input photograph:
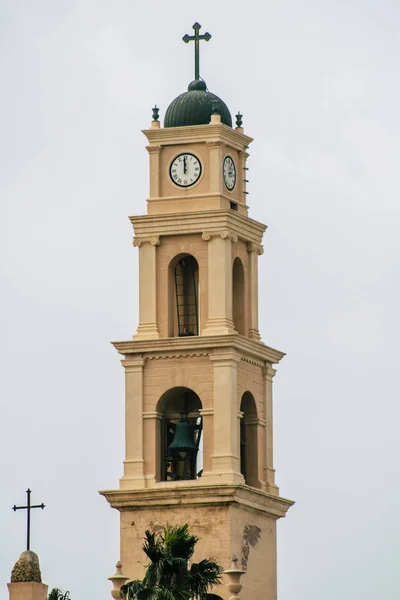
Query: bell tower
[[198, 378]]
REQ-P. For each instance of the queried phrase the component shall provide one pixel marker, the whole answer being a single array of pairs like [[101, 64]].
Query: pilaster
[[269, 471], [226, 452], [254, 250], [154, 155], [219, 283], [216, 149], [148, 327], [134, 458]]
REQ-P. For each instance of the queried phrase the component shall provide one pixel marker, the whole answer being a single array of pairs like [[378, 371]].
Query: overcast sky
[[318, 84]]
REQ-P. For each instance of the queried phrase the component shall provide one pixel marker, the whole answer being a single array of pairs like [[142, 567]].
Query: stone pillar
[[255, 250], [134, 458], [148, 327], [269, 471], [154, 152], [255, 431], [118, 580], [152, 446], [226, 452], [219, 283], [207, 415], [216, 150], [29, 590]]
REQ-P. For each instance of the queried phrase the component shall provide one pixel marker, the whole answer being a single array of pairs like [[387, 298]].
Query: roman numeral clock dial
[[185, 169], [229, 171]]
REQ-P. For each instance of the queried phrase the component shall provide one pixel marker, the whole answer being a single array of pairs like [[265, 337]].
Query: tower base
[[228, 520]]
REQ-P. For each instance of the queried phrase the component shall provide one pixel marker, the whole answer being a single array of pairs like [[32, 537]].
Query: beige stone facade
[[198, 352]]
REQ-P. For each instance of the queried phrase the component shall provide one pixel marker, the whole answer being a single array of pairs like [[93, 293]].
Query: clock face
[[229, 173], [185, 169]]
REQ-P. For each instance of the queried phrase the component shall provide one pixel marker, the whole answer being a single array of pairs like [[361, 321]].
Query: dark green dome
[[195, 107]]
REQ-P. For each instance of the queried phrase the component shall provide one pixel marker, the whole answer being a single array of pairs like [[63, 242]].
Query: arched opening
[[180, 441], [185, 273], [238, 296], [248, 440]]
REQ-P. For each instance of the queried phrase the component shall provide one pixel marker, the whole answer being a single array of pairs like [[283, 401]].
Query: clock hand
[[184, 164]]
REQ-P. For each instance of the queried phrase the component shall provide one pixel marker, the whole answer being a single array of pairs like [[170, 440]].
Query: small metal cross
[[28, 515], [196, 38]]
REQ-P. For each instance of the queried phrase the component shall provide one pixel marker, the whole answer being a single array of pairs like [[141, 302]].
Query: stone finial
[[118, 580], [234, 574], [26, 568]]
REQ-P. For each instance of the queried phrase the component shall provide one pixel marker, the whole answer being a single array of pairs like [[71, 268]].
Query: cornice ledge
[[162, 347], [198, 495], [214, 221], [197, 133]]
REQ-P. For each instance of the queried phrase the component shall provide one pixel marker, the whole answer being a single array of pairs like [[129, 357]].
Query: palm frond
[[179, 542]]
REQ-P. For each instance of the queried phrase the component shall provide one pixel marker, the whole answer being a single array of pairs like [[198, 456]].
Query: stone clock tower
[[198, 378]]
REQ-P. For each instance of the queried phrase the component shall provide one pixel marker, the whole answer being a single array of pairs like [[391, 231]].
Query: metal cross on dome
[[28, 508], [196, 38]]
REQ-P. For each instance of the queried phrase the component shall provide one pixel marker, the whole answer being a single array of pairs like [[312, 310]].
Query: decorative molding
[[153, 240], [253, 361], [210, 222], [226, 356], [268, 372], [255, 421], [133, 364], [154, 149], [215, 144], [206, 412], [185, 494], [248, 348], [227, 235], [152, 415], [198, 133], [253, 247], [177, 355], [224, 235]]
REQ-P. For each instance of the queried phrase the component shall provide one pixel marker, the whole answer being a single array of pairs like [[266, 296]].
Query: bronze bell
[[184, 438]]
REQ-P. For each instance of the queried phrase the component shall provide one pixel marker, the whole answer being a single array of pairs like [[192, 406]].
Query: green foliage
[[169, 575], [57, 594]]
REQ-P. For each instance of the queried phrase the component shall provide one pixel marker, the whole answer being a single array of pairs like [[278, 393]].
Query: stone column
[[226, 453], [207, 415], [255, 250], [269, 471], [154, 152], [255, 431], [134, 458], [152, 446], [219, 283], [148, 327]]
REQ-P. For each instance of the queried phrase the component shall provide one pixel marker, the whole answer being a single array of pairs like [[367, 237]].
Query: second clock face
[[185, 169], [229, 173]]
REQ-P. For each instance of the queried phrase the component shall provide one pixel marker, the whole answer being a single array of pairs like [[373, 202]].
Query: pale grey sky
[[318, 85]]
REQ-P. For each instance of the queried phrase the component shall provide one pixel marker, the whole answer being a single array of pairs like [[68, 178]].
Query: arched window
[[186, 280], [248, 440], [180, 443], [238, 298]]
